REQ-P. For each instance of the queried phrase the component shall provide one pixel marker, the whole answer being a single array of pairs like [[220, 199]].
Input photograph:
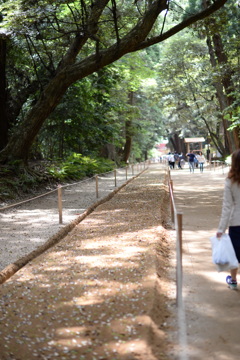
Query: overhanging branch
[[130, 44], [189, 21]]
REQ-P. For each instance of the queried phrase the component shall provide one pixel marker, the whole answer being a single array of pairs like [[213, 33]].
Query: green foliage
[[171, 86], [94, 111], [87, 118], [189, 98], [16, 180], [235, 121], [193, 7], [77, 167], [185, 89]]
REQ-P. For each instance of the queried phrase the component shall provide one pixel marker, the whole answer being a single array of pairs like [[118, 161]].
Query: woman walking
[[201, 160], [231, 213]]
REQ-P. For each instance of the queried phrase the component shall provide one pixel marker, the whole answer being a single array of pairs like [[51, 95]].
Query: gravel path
[[24, 228]]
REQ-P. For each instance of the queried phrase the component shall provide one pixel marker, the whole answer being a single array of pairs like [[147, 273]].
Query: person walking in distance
[[176, 158], [180, 160], [191, 158], [201, 160], [231, 213], [171, 160]]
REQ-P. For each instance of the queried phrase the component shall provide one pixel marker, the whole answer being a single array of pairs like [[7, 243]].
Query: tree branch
[[135, 40], [189, 21], [80, 40]]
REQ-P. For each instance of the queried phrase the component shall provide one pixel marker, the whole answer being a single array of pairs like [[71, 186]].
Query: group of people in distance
[[230, 214], [175, 160], [194, 160]]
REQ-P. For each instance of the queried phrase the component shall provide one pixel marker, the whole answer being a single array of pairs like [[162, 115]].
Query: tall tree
[[220, 32], [67, 41], [224, 83], [3, 94]]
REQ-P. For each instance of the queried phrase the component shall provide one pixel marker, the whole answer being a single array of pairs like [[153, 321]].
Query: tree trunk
[[222, 100], [128, 143], [128, 132], [218, 56], [20, 143], [227, 83], [3, 95], [177, 143]]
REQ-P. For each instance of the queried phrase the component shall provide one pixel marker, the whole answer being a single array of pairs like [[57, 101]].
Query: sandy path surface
[[211, 309], [103, 292]]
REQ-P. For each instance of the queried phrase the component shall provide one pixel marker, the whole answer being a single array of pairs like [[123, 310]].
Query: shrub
[[77, 167]]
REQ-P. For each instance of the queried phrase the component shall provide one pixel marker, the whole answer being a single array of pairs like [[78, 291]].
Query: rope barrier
[[96, 177], [25, 201]]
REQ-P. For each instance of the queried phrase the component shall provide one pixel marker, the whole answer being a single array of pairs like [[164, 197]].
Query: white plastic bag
[[223, 254]]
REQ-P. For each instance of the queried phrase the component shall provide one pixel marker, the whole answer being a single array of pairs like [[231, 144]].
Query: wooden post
[[96, 178], [171, 203], [60, 203], [172, 211], [115, 177], [168, 173], [179, 260]]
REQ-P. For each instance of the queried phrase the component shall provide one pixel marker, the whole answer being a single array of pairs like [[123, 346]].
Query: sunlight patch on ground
[[157, 184]]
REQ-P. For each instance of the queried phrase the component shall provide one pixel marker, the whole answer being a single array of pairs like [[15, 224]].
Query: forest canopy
[[84, 76]]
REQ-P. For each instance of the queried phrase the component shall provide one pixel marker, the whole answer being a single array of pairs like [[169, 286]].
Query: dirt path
[[102, 293], [212, 323], [107, 291]]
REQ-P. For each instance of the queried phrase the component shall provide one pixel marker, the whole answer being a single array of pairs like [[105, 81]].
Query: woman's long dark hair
[[234, 172]]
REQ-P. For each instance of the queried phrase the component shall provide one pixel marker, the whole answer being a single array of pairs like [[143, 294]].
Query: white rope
[[49, 192]]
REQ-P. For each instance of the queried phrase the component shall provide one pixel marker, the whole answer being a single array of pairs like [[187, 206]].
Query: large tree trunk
[[128, 132], [69, 71], [227, 82], [218, 56], [20, 143], [3, 95], [222, 100], [128, 143]]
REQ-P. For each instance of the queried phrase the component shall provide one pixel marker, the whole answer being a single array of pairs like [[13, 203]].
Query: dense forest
[[82, 81]]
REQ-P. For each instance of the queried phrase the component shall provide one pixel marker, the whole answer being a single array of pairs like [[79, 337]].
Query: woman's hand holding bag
[[223, 254]]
